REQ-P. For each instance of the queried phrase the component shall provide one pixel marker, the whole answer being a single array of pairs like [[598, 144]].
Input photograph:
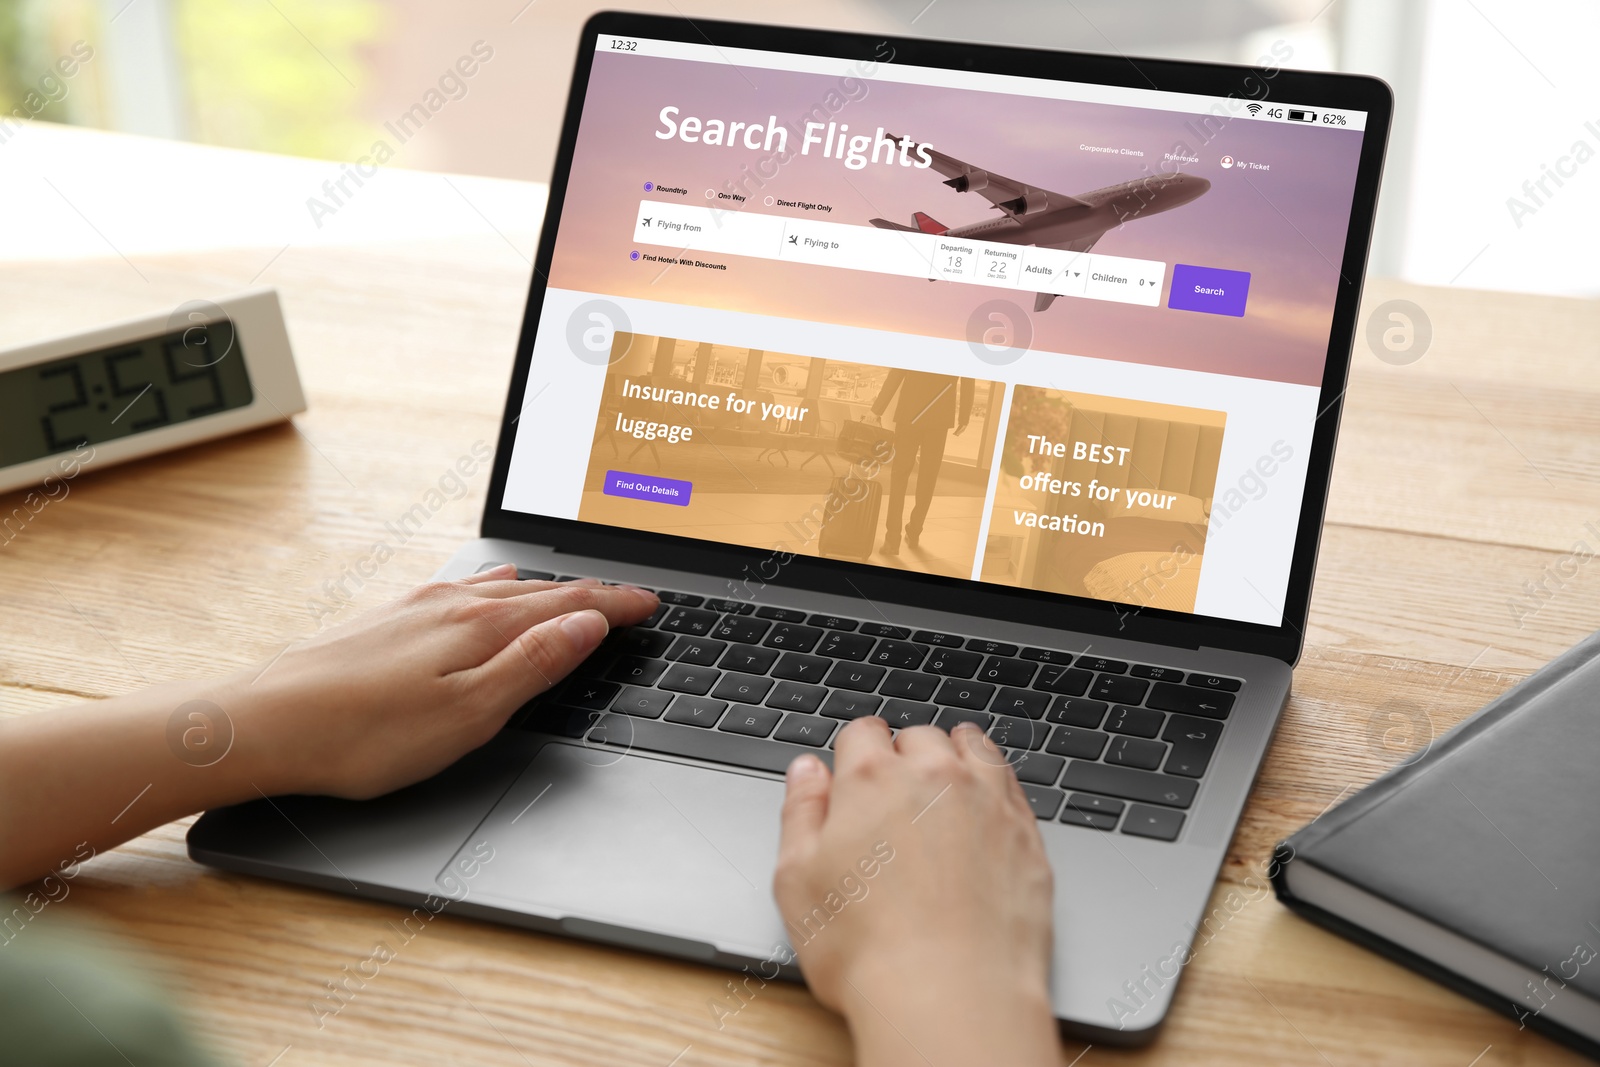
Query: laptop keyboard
[[1099, 743]]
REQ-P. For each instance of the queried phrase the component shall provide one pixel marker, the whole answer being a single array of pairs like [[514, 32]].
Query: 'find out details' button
[[648, 487], [1209, 289]]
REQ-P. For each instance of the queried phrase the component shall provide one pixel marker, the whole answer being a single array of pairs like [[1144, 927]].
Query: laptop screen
[[1061, 336]]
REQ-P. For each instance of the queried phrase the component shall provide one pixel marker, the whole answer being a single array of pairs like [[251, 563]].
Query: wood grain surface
[[1460, 479]]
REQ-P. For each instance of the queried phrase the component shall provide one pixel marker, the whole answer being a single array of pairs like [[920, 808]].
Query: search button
[[1209, 289]]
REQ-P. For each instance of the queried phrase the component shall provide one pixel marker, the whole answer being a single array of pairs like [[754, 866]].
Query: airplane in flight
[[1033, 216]]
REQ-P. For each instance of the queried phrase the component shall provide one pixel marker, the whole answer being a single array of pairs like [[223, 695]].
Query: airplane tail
[[1042, 301], [925, 223]]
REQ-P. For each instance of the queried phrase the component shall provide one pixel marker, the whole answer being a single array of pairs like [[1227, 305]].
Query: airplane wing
[[1007, 194], [1081, 244]]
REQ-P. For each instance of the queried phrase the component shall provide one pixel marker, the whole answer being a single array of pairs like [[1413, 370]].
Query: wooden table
[[1461, 477]]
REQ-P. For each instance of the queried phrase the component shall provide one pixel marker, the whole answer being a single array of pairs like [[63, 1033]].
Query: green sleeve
[[69, 995]]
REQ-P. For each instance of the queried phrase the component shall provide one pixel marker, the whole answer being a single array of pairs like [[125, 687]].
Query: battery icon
[[1302, 116]]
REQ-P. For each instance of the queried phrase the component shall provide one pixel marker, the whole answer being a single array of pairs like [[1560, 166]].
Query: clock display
[[127, 389]]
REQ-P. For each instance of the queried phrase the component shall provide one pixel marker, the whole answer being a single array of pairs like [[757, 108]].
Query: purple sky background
[[1285, 226]]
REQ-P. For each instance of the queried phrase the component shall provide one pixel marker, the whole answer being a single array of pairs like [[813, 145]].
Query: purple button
[[1211, 289], [648, 487]]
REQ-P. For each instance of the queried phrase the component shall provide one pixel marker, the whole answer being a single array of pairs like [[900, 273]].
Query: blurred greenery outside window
[[251, 75]]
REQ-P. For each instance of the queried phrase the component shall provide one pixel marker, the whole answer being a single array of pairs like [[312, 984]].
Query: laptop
[[923, 379]]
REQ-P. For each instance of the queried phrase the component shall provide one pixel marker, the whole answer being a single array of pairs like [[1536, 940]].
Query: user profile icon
[[1227, 162]]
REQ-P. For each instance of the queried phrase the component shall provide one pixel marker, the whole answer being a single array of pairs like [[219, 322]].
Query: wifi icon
[[1254, 109]]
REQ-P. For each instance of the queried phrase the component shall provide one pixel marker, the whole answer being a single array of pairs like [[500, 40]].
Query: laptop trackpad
[[592, 836]]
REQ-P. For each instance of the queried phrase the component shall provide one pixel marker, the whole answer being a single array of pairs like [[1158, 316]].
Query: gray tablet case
[[1478, 863]]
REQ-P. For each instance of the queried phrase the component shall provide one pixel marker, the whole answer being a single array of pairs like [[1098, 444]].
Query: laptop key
[[749, 659], [731, 607], [805, 730], [1156, 674], [845, 646], [949, 718], [934, 637], [860, 677], [650, 735], [1118, 690], [1103, 665], [793, 637], [1186, 729], [909, 684], [750, 720], [1048, 655], [641, 702], [743, 688], [1191, 700], [1028, 702], [651, 644], [1094, 820], [568, 722], [590, 694], [687, 678], [905, 654], [687, 600], [1193, 742], [656, 616], [1044, 802], [1039, 768], [738, 628], [637, 671], [1003, 671], [1076, 742], [903, 713], [843, 705], [696, 711], [781, 614], [833, 622], [1140, 722], [1077, 711], [694, 621], [1009, 731], [1088, 802], [953, 663], [1162, 824], [1130, 784], [1069, 680], [1211, 681], [883, 629], [974, 696], [701, 651], [796, 667], [796, 696], [1132, 752], [991, 648]]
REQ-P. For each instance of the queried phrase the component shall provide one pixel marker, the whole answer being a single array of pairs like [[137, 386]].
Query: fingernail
[[585, 628], [965, 727], [647, 594], [802, 768]]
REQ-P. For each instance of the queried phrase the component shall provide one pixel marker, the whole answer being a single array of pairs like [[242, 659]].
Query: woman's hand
[[365, 708], [400, 694], [917, 894]]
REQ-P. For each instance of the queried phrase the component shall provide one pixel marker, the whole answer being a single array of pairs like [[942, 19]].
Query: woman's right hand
[[917, 894]]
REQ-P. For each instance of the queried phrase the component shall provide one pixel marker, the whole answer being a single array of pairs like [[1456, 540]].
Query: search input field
[[907, 253]]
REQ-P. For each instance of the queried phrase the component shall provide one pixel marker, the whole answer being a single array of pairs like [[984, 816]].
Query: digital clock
[[146, 385]]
